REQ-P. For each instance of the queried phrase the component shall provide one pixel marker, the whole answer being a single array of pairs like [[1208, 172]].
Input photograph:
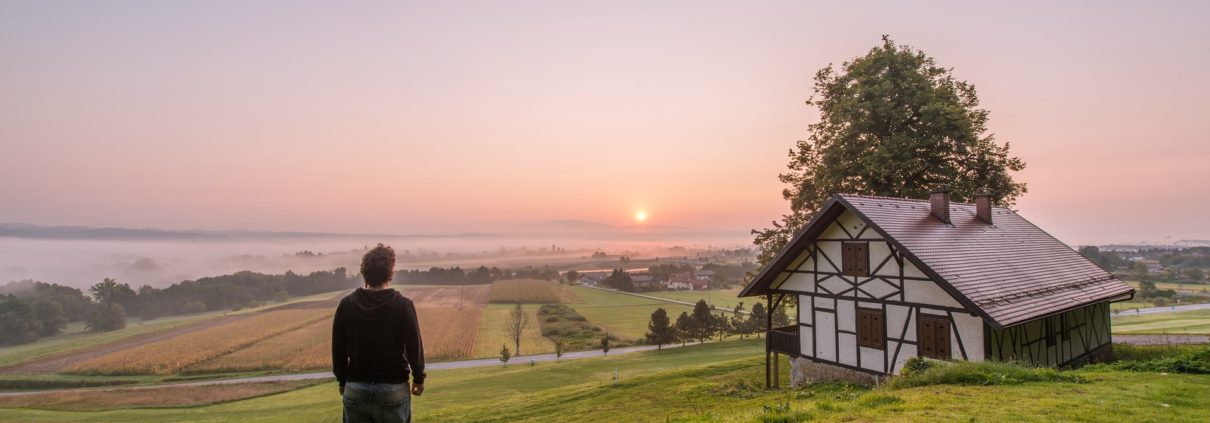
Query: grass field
[[530, 291], [714, 382], [1193, 288], [719, 298], [493, 334], [621, 314], [169, 397], [1196, 322]]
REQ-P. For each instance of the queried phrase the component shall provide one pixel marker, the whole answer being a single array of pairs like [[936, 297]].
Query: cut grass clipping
[[919, 371]]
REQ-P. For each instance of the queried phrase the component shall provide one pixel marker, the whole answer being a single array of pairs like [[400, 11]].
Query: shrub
[[193, 307], [982, 373], [1169, 359]]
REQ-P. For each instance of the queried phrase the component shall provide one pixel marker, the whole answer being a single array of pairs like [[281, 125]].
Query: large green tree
[[659, 329], [892, 123]]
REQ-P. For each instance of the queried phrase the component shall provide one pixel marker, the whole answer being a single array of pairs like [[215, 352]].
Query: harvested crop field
[[530, 291], [177, 353], [168, 396], [454, 296], [449, 333], [307, 348], [57, 362]]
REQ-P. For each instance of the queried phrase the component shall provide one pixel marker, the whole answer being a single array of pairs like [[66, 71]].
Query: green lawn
[[720, 298], [621, 314], [1192, 288], [1196, 322], [712, 382]]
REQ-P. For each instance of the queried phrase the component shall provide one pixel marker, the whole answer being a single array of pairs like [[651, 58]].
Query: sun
[[640, 216]]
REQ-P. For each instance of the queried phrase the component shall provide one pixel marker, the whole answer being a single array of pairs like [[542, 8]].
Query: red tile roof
[[1009, 272]]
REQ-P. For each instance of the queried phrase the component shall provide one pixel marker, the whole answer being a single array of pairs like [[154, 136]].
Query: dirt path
[[1161, 339], [54, 362]]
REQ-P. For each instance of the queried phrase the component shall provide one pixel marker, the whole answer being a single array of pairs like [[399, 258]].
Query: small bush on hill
[[982, 373]]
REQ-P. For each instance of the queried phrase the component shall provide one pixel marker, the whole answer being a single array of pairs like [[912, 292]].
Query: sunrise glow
[[640, 216]]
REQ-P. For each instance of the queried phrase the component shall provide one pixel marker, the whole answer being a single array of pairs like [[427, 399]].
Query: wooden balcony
[[784, 340]]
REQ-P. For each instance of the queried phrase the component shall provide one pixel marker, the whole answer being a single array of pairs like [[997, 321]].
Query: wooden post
[[776, 372], [769, 327]]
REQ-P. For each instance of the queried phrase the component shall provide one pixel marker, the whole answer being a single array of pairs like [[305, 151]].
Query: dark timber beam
[[769, 328]]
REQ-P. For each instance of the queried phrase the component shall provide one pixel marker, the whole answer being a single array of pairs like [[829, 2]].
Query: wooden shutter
[[871, 332], [855, 259], [933, 337]]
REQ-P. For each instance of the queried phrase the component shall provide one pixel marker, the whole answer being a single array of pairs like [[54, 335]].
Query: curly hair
[[378, 265]]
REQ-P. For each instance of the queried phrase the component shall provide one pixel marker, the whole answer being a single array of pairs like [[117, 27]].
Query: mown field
[[1196, 322], [719, 298], [625, 315], [712, 382], [530, 291], [493, 332]]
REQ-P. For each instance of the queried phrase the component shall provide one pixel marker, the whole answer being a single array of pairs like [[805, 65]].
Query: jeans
[[377, 403]]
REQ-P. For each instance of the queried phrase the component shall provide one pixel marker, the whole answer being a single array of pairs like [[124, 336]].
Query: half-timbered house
[[879, 280]]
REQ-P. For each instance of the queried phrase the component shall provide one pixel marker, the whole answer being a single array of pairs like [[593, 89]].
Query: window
[[855, 258], [933, 336], [871, 331]]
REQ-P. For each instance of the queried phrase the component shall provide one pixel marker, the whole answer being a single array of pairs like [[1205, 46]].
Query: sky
[[450, 117]]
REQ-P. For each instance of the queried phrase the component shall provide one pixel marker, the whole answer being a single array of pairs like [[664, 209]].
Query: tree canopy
[[892, 123]]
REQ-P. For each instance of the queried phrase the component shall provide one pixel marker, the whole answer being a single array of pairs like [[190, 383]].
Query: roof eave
[[783, 257]]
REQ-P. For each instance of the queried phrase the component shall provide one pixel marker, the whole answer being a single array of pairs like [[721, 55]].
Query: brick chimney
[[983, 205], [939, 203]]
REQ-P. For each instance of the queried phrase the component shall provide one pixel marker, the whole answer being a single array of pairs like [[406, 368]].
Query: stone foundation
[[806, 371]]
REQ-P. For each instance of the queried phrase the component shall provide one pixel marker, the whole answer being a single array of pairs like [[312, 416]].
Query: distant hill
[[25, 230], [570, 225]]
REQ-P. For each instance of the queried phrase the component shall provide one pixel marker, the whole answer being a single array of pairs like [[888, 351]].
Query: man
[[375, 341]]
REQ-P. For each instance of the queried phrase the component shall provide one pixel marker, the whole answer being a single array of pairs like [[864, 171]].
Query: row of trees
[[704, 324], [481, 275]]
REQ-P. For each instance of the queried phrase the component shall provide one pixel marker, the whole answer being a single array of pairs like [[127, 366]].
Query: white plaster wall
[[846, 315], [927, 292], [805, 344], [896, 317], [848, 348], [906, 351], [825, 335], [852, 223], [806, 310], [872, 359], [971, 328], [799, 282]]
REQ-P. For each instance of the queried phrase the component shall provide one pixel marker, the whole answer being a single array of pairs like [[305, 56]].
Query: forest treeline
[[481, 275]]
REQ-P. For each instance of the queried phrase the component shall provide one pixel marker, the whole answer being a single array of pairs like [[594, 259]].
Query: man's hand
[[342, 390], [418, 389]]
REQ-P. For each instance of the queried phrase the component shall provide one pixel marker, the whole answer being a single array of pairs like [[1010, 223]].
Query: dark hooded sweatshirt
[[376, 338]]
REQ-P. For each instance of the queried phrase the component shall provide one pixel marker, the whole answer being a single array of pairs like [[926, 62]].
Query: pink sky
[[464, 117]]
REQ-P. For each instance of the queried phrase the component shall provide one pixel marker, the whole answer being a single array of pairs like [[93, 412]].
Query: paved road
[[1158, 310], [464, 364]]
